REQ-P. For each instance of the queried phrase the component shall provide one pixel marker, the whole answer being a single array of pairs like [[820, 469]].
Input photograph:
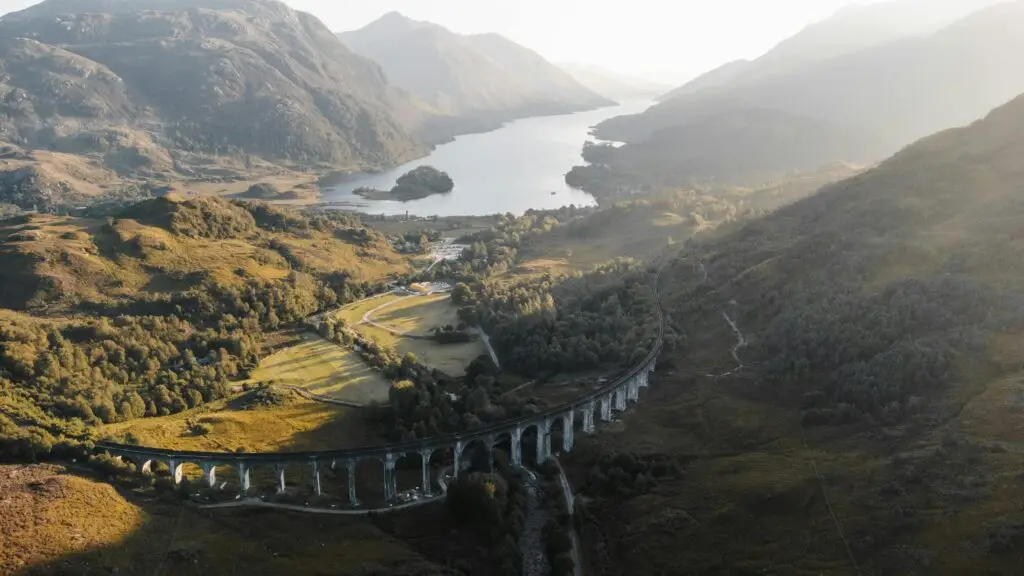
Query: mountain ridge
[[464, 77], [896, 93], [202, 77], [851, 29], [611, 84]]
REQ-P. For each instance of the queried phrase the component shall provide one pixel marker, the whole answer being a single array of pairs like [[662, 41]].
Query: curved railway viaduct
[[581, 413]]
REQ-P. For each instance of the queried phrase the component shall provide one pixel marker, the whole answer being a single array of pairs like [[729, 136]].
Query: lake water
[[511, 169]]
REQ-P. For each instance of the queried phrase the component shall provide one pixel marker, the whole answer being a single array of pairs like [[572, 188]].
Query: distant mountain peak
[[612, 84], [468, 75], [395, 18]]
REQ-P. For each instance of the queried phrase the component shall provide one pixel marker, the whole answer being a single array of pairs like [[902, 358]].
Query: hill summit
[[484, 77]]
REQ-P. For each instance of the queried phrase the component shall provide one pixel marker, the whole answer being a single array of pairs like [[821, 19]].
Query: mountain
[[877, 329], [201, 78], [483, 77], [851, 29], [894, 93], [611, 84], [861, 26], [939, 221], [739, 147], [722, 75]]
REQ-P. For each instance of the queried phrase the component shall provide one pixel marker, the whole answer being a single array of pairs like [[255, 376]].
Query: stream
[[531, 542]]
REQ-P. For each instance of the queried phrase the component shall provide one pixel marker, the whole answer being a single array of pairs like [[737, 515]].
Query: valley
[[373, 295]]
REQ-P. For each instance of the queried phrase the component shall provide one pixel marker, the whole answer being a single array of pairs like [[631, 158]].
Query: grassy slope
[[58, 522], [940, 494]]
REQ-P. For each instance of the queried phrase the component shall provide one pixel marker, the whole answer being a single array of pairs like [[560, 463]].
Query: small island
[[417, 183]]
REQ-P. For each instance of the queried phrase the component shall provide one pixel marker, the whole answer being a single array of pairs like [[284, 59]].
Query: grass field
[[324, 368], [416, 315], [353, 313], [300, 425], [58, 521]]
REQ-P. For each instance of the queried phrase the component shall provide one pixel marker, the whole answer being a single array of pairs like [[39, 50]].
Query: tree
[[138, 405], [461, 294]]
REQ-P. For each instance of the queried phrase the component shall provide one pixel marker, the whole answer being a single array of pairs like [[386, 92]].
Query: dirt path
[[368, 317]]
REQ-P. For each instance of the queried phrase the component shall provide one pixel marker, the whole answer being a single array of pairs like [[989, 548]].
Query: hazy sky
[[677, 38]]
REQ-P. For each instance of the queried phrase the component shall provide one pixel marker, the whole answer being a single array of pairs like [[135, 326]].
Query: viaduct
[[582, 413]]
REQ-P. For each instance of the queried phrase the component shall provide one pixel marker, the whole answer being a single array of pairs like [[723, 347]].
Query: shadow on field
[[172, 538]]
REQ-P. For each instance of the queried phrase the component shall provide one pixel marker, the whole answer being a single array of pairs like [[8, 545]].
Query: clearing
[[324, 368], [416, 315], [396, 314]]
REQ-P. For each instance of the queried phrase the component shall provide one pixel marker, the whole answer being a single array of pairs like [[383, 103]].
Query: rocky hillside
[[481, 76], [118, 79]]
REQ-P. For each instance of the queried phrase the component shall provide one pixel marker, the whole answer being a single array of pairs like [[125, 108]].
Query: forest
[[604, 318], [497, 249]]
